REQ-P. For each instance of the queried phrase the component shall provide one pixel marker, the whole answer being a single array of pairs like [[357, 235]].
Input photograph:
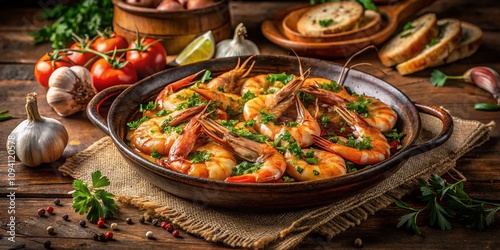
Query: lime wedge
[[200, 49]]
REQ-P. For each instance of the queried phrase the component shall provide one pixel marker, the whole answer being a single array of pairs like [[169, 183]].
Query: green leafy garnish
[[193, 101], [393, 135], [155, 154], [199, 156], [405, 34], [448, 201], [83, 19], [266, 117], [310, 159], [408, 26], [94, 200], [438, 78], [332, 86], [292, 124], [246, 167], [360, 106], [248, 96], [433, 42], [364, 143], [148, 106], [325, 23], [135, 124], [206, 76], [283, 77], [162, 112]]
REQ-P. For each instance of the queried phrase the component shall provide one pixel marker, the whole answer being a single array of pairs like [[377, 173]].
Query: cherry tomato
[[109, 72], [79, 58], [47, 64], [150, 57], [109, 41]]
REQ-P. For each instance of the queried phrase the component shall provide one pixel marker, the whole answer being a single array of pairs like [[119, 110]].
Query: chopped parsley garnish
[[155, 154], [149, 106], [315, 172], [220, 89], [351, 167], [305, 97], [246, 168], [177, 129], [248, 96], [360, 105], [332, 86], [324, 119], [299, 169], [283, 77], [325, 23], [393, 135], [408, 25], [135, 124], [269, 91], [206, 76], [162, 112], [249, 123], [199, 156], [364, 143], [288, 179], [266, 117], [405, 34], [292, 124], [433, 42], [192, 101], [243, 131]]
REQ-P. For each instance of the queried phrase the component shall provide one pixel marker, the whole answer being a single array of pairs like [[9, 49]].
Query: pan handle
[[94, 104], [440, 138]]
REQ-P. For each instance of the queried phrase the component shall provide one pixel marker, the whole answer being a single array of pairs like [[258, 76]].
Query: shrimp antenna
[[342, 73], [369, 64], [300, 63]]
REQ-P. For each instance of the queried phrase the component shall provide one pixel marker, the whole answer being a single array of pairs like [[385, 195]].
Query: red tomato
[[80, 58], [106, 74], [150, 58], [47, 64], [109, 42]]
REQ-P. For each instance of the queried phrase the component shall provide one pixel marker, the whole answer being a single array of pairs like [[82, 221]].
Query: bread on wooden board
[[411, 41], [440, 47], [469, 43], [329, 18]]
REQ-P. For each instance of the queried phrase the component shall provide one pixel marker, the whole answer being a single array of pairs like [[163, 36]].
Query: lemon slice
[[200, 49]]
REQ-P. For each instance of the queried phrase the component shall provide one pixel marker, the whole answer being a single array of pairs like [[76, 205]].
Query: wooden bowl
[[176, 28], [265, 196], [369, 25], [272, 29]]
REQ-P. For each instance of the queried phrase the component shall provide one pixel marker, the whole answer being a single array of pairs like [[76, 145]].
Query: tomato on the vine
[[79, 58], [148, 57], [108, 72], [47, 64], [109, 41]]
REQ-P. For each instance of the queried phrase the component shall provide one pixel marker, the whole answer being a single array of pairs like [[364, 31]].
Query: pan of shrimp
[[264, 132]]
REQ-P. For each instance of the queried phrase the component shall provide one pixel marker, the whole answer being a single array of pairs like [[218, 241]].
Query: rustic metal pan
[[266, 196]]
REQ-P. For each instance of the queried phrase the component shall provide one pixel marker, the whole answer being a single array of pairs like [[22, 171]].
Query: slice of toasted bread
[[329, 18], [449, 37], [411, 41], [469, 43]]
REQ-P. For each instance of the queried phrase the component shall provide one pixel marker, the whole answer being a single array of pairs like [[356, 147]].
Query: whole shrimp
[[378, 150], [150, 136], [275, 105], [379, 114], [167, 100], [259, 85], [272, 163], [228, 81], [216, 162], [230, 103], [324, 165]]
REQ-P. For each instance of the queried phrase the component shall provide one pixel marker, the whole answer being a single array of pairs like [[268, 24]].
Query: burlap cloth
[[281, 230]]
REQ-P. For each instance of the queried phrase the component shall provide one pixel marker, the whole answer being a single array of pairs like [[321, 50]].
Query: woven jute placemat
[[280, 230]]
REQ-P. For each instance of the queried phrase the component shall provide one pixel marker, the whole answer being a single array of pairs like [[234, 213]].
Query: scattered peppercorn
[[149, 234], [169, 227], [114, 226], [142, 219], [100, 222], [95, 236], [109, 235], [149, 219], [47, 244], [65, 217], [163, 224], [82, 223], [128, 220], [57, 201], [101, 237], [50, 230], [358, 242], [155, 222], [175, 233], [50, 210], [41, 212]]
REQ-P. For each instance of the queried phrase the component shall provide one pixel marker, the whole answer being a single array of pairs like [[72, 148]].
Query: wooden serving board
[[392, 15]]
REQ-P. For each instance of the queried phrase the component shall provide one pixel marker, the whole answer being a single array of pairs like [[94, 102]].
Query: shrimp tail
[[171, 88], [289, 90]]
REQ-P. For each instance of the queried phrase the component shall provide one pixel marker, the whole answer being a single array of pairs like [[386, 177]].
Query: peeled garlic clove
[[238, 46], [485, 78], [70, 90]]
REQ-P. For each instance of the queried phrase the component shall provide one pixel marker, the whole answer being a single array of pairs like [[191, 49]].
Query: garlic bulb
[[70, 90], [237, 46], [37, 139]]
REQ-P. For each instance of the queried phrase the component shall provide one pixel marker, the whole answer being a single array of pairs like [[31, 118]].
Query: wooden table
[[38, 187]]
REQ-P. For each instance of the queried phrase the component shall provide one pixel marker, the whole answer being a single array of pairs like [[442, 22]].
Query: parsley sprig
[[94, 200], [448, 201]]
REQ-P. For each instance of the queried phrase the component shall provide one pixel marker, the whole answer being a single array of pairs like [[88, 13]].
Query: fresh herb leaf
[[246, 167], [393, 135], [433, 42], [149, 106], [94, 200], [283, 77], [199, 156], [292, 124], [155, 154], [266, 117], [438, 78], [405, 34], [248, 96], [360, 106], [363, 144], [206, 76], [408, 26], [325, 23], [331, 86], [193, 101], [162, 112], [135, 124], [368, 4]]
